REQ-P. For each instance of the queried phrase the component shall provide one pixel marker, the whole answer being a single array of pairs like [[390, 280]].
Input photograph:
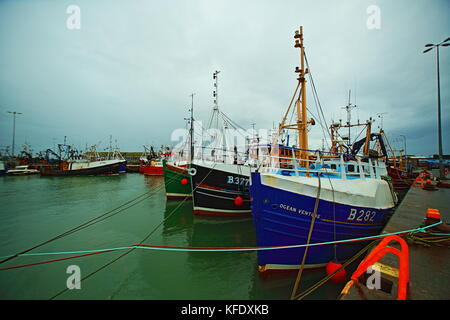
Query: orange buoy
[[238, 201], [433, 214], [331, 267], [184, 181]]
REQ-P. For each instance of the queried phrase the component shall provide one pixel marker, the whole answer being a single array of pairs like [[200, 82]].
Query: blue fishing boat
[[304, 198]]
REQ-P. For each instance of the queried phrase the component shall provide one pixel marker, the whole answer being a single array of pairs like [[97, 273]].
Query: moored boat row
[[296, 196]]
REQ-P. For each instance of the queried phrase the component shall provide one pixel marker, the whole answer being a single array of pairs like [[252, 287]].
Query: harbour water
[[35, 209]]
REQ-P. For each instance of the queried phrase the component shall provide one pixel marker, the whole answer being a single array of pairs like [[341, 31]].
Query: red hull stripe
[[205, 186], [221, 213], [155, 171]]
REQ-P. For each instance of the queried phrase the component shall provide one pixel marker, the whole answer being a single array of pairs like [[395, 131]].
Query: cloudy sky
[[129, 69]]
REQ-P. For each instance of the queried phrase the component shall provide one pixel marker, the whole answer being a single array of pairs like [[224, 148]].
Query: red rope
[[55, 260], [170, 247]]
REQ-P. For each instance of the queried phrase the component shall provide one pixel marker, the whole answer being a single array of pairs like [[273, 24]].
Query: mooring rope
[[318, 284], [313, 220], [140, 243], [208, 249], [93, 221]]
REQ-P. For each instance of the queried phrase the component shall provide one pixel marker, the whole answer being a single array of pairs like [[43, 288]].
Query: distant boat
[[81, 165], [152, 163], [114, 154], [152, 168], [22, 170]]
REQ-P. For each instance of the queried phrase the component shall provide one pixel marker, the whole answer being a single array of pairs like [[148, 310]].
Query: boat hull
[[97, 170], [173, 177], [151, 170], [123, 167], [283, 218], [401, 179], [133, 168], [22, 172], [216, 187]]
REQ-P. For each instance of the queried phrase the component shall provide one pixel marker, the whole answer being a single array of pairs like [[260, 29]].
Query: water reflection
[[178, 218]]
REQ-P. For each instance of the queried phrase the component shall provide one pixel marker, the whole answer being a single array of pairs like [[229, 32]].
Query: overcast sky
[[130, 68]]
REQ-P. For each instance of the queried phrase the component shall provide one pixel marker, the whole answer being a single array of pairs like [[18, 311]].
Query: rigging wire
[[317, 101], [141, 242]]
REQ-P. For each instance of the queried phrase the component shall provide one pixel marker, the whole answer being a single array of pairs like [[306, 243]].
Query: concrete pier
[[429, 266]]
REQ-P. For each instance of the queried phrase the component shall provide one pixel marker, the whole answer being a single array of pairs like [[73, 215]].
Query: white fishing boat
[[88, 164], [22, 170]]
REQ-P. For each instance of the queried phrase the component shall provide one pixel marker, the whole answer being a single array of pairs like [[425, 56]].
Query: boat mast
[[301, 111], [216, 99], [302, 123], [191, 130], [349, 108], [368, 137]]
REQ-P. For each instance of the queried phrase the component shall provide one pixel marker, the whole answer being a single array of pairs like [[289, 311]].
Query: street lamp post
[[14, 129], [430, 47], [406, 154]]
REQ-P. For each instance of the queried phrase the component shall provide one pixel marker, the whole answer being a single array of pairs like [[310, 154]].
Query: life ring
[[192, 171]]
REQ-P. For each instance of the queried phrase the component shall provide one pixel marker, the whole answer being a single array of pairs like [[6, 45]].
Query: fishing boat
[[177, 181], [152, 163], [220, 176], [152, 168], [75, 164], [309, 197], [114, 154], [397, 167], [220, 188]]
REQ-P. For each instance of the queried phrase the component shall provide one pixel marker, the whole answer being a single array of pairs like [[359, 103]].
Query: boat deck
[[429, 267]]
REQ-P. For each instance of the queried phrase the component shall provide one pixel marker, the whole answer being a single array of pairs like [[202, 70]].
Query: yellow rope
[[300, 271]]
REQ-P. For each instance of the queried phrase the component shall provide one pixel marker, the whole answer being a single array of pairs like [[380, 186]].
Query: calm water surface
[[35, 209]]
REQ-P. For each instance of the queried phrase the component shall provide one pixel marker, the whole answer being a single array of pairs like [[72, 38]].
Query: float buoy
[[238, 201], [192, 171], [331, 267]]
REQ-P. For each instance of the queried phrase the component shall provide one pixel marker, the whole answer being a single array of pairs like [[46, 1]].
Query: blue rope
[[416, 230]]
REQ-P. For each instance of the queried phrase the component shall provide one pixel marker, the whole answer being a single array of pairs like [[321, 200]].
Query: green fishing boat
[[176, 177], [177, 181]]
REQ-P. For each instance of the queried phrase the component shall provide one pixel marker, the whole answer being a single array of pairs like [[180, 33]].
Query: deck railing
[[336, 166]]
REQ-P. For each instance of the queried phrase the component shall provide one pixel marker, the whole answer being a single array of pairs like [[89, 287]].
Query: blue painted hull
[[283, 218], [123, 167]]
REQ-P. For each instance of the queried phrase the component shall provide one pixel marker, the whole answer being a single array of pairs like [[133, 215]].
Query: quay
[[429, 264]]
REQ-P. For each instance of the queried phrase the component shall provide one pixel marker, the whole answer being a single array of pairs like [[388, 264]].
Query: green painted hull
[[173, 177]]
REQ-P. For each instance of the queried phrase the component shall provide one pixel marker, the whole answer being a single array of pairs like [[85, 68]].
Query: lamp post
[[430, 47], [14, 129], [406, 155]]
